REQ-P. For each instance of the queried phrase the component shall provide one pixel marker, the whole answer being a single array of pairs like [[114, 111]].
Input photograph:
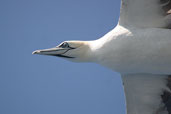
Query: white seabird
[[139, 48]]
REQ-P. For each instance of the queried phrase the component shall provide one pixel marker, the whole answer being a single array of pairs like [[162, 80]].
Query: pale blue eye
[[64, 45]]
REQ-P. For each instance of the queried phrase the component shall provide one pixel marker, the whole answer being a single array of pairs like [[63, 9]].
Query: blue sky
[[32, 84]]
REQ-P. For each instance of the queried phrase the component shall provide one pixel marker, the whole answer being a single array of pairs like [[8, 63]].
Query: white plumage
[[136, 50], [139, 48]]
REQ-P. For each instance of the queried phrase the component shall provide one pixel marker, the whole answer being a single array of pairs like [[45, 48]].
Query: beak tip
[[36, 52]]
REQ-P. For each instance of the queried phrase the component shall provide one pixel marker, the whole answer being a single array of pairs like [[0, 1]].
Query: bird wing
[[146, 13], [147, 94]]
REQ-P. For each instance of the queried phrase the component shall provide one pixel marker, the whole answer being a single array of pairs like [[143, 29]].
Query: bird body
[[139, 48], [133, 50]]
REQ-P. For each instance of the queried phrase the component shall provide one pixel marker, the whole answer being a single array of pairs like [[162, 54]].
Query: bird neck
[[96, 49]]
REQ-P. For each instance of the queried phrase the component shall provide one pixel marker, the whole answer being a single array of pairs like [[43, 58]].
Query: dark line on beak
[[63, 56], [59, 55]]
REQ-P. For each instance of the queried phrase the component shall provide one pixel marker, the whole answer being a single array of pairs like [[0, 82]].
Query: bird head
[[77, 51]]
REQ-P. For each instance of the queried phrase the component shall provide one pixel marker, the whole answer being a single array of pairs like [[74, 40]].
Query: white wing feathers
[[146, 13], [147, 94]]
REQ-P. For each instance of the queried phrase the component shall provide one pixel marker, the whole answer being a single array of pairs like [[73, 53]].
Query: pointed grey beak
[[50, 51], [56, 51]]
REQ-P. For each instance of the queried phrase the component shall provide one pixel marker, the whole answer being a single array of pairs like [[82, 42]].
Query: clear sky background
[[33, 84]]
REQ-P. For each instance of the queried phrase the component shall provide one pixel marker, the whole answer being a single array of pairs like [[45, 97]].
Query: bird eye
[[64, 45]]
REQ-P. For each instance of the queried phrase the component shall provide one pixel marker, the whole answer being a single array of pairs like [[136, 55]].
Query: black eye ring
[[64, 45]]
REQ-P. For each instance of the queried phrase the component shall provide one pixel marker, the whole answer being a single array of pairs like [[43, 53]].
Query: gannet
[[139, 48]]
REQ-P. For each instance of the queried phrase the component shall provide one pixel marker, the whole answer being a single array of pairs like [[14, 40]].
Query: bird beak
[[57, 51], [51, 51]]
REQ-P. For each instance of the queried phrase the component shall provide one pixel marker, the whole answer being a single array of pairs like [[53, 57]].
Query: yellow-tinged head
[[78, 51]]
